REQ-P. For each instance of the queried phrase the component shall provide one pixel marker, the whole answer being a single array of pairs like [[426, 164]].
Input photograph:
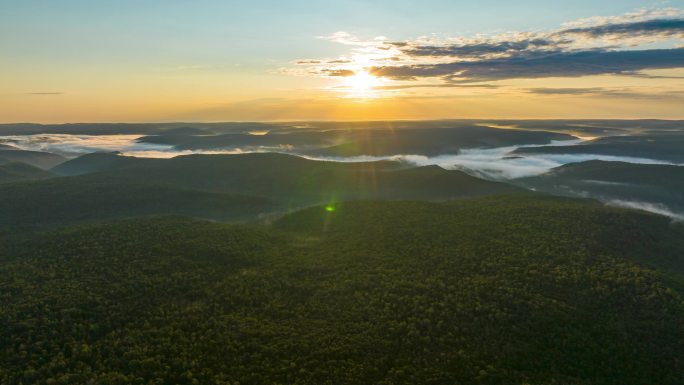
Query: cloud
[[441, 85], [477, 49], [658, 27], [554, 64], [639, 15], [655, 208], [518, 44], [347, 38], [568, 91], [45, 93], [603, 92], [323, 61], [338, 72], [617, 45]]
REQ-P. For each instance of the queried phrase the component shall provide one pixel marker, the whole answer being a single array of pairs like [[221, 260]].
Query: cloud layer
[[621, 45]]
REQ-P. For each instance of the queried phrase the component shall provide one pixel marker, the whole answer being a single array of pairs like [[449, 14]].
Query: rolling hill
[[662, 146], [224, 187], [43, 160], [16, 171], [611, 181], [95, 162]]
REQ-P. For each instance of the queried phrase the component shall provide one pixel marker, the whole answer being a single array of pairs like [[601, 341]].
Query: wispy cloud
[[656, 208], [347, 38], [601, 91], [440, 85], [642, 14], [51, 93]]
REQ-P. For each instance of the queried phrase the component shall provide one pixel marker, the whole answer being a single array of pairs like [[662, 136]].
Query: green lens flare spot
[[330, 208]]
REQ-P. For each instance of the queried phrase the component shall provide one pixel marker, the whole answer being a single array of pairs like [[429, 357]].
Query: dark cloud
[[477, 50], [555, 41], [610, 46], [554, 64], [667, 27]]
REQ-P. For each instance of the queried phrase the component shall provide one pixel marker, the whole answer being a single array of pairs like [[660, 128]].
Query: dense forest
[[513, 289]]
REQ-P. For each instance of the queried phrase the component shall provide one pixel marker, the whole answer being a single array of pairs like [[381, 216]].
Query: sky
[[268, 60]]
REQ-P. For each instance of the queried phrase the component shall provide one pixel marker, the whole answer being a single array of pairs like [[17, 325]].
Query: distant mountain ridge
[[350, 142]]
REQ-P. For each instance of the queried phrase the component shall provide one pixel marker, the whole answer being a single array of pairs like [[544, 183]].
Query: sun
[[361, 85], [362, 81]]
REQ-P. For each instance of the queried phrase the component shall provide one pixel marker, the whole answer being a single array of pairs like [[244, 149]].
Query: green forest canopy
[[498, 290]]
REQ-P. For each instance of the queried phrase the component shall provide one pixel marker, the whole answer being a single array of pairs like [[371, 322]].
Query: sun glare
[[362, 85]]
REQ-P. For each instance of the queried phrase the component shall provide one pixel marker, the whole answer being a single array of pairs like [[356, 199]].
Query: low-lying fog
[[498, 163], [491, 163]]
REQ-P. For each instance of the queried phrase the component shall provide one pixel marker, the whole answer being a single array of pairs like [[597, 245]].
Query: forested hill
[[499, 290], [222, 187], [659, 183], [664, 146], [17, 171], [42, 160]]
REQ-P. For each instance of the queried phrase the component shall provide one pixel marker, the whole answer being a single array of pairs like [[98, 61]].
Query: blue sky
[[92, 52], [250, 32]]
